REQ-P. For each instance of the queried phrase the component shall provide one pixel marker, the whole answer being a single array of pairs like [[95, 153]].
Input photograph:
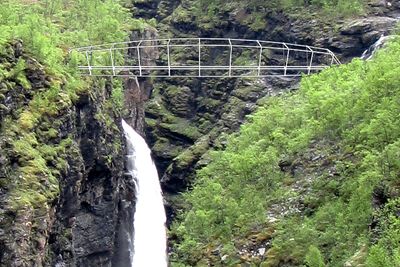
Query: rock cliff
[[64, 198]]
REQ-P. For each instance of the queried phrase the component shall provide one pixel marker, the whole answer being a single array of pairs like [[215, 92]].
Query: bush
[[314, 257]]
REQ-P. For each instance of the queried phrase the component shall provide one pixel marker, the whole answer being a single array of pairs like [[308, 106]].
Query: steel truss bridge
[[202, 57]]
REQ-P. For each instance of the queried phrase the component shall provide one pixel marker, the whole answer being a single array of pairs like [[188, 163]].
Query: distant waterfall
[[369, 53], [149, 242]]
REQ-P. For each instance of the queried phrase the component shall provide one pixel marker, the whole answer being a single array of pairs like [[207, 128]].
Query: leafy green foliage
[[355, 106], [386, 253], [117, 96], [314, 257], [50, 28]]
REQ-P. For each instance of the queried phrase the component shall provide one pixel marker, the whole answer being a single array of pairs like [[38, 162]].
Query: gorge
[[255, 171]]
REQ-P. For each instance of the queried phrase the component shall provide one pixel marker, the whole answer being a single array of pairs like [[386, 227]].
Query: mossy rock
[[154, 108], [193, 153], [246, 93], [182, 15], [182, 128], [163, 146], [211, 104], [178, 100], [152, 123]]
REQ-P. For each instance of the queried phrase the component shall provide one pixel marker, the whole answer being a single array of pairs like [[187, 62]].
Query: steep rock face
[[23, 229], [64, 198], [358, 34], [186, 117], [184, 121], [93, 213]]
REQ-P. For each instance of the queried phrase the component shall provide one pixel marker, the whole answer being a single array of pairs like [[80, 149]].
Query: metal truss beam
[[202, 57]]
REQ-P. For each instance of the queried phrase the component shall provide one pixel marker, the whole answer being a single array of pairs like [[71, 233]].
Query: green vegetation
[[48, 29], [340, 136], [339, 7], [314, 257], [386, 251]]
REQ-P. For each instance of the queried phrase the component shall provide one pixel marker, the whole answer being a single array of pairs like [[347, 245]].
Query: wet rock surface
[[359, 34], [96, 196]]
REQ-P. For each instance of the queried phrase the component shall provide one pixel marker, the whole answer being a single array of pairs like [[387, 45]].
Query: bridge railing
[[202, 57]]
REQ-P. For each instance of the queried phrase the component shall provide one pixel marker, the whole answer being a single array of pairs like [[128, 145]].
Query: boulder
[[366, 25]]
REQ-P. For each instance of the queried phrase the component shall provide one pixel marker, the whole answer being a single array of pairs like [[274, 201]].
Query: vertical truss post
[[230, 57], [287, 59], [169, 59], [259, 59], [88, 62], [112, 59], [139, 60], [311, 60], [199, 57]]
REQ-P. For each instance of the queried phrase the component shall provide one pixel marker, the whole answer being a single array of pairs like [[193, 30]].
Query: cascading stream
[[149, 242], [369, 53]]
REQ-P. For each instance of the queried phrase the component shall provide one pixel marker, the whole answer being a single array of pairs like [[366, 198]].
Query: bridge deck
[[202, 57]]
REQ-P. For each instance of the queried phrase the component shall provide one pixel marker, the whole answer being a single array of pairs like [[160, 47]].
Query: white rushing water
[[369, 53], [149, 242]]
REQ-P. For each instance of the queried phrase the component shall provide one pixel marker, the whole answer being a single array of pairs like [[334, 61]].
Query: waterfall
[[369, 53], [149, 242]]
